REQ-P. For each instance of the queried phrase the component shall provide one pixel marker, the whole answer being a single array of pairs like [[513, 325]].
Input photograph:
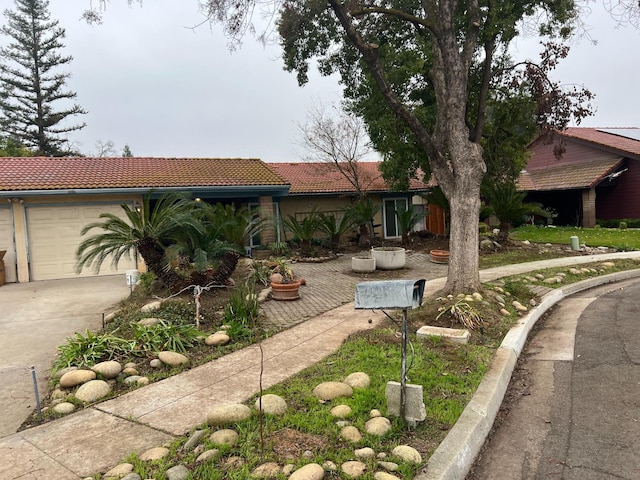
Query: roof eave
[[218, 191]]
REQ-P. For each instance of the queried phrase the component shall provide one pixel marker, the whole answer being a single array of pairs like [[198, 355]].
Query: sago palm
[[508, 205], [147, 230]]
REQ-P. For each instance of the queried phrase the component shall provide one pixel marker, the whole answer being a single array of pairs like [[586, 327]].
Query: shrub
[[483, 227], [89, 349], [622, 225], [163, 336]]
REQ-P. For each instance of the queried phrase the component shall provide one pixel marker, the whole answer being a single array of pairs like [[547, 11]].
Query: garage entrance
[[54, 235], [7, 243]]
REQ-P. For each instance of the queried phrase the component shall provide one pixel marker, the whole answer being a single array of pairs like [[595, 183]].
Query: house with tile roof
[[596, 177], [321, 186], [45, 202]]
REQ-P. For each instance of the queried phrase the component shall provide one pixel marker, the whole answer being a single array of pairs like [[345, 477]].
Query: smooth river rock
[[217, 339], [407, 453], [332, 390], [155, 453], [173, 359], [358, 380], [311, 471], [93, 390], [226, 414], [224, 437], [341, 411], [76, 377], [354, 468], [377, 426], [109, 369], [272, 404]]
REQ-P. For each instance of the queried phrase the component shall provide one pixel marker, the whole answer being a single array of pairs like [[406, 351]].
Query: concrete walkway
[[101, 436]]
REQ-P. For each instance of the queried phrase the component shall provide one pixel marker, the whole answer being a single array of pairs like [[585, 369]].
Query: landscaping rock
[[194, 440], [173, 359], [179, 472], [224, 437], [552, 280], [272, 404], [132, 379], [132, 476], [358, 380], [288, 469], [366, 452], [154, 454], [504, 312], [226, 414], [377, 426], [388, 466], [329, 466], [64, 407], [58, 394], [207, 455], [407, 453], [76, 377], [119, 471], [151, 306], [311, 471], [130, 371], [332, 390], [109, 369], [354, 468], [149, 322], [341, 411], [93, 390], [62, 371], [266, 470], [218, 338], [384, 476], [518, 306], [351, 434], [375, 413], [155, 363]]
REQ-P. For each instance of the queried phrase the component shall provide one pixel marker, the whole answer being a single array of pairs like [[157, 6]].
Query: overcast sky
[[148, 80]]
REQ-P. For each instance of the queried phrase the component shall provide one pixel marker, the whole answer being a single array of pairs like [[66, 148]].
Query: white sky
[[167, 90]]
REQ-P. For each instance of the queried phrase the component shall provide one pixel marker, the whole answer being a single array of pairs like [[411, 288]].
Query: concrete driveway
[[37, 317]]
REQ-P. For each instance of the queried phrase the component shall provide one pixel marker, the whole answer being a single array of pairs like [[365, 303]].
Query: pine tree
[[29, 88], [126, 151]]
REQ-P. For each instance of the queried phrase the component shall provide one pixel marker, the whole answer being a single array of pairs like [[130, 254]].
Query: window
[[390, 220]]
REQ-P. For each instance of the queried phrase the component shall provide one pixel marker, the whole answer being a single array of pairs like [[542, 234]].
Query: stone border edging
[[455, 455]]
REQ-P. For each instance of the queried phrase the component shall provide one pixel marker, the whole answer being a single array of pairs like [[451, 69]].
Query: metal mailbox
[[390, 294]]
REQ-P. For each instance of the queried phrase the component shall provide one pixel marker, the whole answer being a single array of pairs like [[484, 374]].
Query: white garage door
[[7, 243], [54, 236]]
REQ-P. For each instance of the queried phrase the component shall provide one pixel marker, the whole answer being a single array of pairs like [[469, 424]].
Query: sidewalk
[[101, 436]]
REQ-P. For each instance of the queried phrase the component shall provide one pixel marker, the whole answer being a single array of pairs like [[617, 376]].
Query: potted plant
[[389, 258], [284, 285]]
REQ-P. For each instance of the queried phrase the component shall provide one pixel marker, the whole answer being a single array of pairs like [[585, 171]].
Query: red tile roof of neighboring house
[[322, 177], [566, 177], [605, 137], [63, 173]]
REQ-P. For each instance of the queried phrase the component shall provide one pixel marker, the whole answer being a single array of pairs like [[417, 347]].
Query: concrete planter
[[363, 264], [389, 258]]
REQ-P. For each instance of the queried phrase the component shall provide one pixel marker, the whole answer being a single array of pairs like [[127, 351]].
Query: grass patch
[[619, 239]]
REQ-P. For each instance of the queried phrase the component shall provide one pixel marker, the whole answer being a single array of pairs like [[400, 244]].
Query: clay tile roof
[[584, 175], [321, 177], [49, 173], [613, 138]]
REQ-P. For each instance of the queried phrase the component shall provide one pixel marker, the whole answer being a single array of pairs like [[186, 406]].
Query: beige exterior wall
[[19, 206]]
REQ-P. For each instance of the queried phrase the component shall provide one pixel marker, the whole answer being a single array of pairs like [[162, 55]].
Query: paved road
[[34, 319], [577, 413]]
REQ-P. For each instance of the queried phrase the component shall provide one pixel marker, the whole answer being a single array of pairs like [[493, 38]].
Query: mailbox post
[[393, 295]]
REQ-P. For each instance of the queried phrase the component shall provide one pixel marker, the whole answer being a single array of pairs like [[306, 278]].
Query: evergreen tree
[[29, 88], [126, 151]]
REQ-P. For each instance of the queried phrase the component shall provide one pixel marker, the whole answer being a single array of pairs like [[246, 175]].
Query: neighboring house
[[597, 177], [319, 185], [45, 202]]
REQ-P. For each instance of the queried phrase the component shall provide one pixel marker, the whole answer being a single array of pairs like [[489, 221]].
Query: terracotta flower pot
[[285, 291], [439, 256]]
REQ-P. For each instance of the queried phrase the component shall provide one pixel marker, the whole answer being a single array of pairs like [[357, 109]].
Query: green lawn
[[628, 239]]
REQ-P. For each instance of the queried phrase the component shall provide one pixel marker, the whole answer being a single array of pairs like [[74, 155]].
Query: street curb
[[453, 459]]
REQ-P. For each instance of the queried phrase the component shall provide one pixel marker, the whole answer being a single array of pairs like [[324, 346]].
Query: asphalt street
[[576, 413]]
